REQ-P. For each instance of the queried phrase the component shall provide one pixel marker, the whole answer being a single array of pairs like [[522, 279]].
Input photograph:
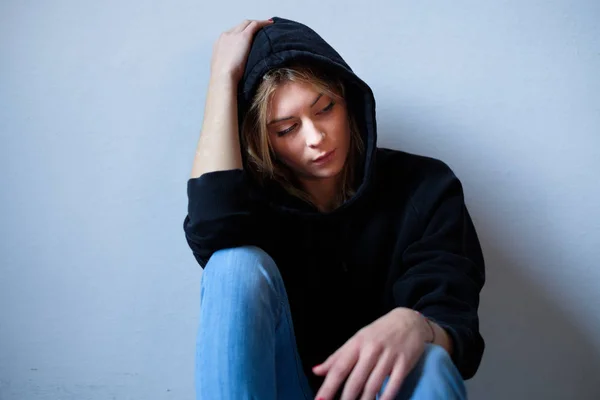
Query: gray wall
[[100, 109]]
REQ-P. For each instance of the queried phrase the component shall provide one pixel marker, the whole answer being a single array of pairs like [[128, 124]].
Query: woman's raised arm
[[218, 148]]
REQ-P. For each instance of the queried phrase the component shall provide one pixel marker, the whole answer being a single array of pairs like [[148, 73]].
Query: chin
[[331, 172]]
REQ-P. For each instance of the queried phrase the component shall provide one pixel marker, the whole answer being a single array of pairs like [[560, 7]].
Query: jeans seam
[[280, 296], [299, 369], [278, 314]]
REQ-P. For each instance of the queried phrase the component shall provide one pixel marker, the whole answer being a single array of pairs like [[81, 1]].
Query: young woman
[[332, 268]]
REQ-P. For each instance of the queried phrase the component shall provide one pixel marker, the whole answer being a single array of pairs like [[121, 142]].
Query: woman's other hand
[[390, 346], [231, 49]]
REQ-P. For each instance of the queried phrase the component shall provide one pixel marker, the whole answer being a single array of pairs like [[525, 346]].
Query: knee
[[239, 257], [436, 357], [433, 377], [440, 372], [245, 265]]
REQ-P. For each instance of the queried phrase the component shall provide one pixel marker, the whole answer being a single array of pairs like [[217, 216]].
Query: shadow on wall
[[533, 349]]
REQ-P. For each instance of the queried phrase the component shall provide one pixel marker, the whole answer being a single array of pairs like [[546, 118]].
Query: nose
[[313, 136]]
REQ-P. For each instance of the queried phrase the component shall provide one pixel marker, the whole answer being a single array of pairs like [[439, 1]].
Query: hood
[[284, 42]]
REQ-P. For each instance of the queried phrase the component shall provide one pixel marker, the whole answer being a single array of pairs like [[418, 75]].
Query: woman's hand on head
[[390, 346], [231, 49]]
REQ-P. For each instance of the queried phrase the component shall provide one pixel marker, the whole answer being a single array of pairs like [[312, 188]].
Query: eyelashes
[[291, 128], [329, 107], [288, 130]]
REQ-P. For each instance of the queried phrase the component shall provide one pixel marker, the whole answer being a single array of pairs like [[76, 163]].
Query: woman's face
[[305, 125]]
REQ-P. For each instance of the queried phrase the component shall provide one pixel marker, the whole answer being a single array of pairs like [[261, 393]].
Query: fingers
[[254, 26], [373, 385], [239, 26], [251, 25], [243, 25], [355, 384], [393, 386], [338, 372], [324, 367]]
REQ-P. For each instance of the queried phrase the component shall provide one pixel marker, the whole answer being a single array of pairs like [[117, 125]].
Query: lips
[[324, 156]]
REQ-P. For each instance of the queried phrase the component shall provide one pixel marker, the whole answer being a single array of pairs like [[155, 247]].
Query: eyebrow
[[286, 118]]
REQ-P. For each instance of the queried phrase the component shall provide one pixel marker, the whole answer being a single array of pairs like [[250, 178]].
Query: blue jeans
[[246, 348]]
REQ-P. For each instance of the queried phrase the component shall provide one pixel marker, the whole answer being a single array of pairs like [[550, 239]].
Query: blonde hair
[[255, 137]]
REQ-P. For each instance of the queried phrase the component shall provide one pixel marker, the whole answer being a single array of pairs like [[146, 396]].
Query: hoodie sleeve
[[445, 267], [220, 214]]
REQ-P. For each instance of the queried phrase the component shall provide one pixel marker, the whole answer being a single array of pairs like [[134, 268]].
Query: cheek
[[288, 151], [342, 130], [340, 124]]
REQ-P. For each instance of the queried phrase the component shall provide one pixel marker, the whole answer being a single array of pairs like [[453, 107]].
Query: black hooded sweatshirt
[[405, 239]]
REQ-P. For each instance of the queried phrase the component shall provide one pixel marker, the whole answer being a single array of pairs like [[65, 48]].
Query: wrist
[[427, 328], [440, 336]]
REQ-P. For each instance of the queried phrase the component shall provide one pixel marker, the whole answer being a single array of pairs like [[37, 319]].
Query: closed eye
[[291, 128], [329, 107], [288, 130]]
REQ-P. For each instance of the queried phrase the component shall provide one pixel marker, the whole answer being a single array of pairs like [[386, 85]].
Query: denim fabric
[[246, 349]]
